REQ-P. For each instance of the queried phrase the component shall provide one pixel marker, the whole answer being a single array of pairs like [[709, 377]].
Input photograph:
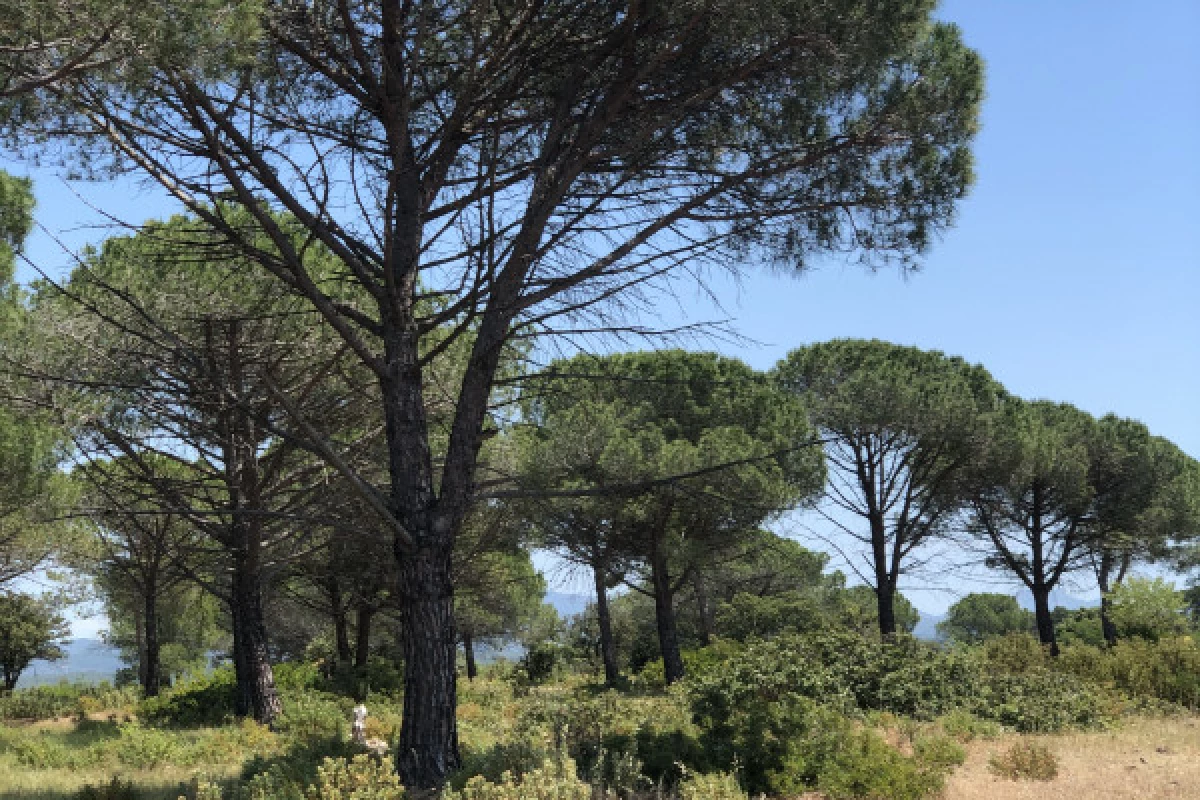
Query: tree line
[[322, 380]]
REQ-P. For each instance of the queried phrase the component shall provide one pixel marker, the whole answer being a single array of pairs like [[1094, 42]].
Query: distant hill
[[1057, 598], [86, 661], [927, 626], [566, 604]]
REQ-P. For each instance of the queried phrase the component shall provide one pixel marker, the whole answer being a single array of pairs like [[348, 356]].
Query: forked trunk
[[664, 613], [608, 649]]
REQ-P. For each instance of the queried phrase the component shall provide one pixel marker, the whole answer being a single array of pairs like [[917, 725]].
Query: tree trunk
[[341, 632], [151, 668], [704, 608], [469, 654], [1103, 574], [139, 634], [428, 747], [608, 650], [664, 613], [256, 693], [885, 601], [362, 640], [885, 589], [1045, 622]]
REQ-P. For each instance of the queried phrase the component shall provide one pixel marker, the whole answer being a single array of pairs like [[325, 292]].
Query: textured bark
[[428, 747], [362, 639], [885, 588], [664, 613], [469, 655], [608, 649], [1045, 622], [256, 692], [151, 669]]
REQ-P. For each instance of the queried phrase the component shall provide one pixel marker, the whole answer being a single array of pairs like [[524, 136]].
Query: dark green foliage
[[201, 701], [980, 616], [116, 789], [540, 662], [30, 628]]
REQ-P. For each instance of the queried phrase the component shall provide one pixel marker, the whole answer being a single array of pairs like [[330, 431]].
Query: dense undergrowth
[[831, 712]]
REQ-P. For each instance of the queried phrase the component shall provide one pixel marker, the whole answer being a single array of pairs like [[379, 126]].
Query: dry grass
[[1145, 759]]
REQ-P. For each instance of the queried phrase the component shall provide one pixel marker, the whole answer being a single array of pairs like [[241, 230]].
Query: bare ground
[[1145, 759]]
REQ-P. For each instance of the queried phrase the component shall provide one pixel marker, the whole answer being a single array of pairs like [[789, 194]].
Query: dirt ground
[[1146, 759]]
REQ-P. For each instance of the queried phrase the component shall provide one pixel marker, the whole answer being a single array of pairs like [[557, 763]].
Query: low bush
[[360, 778], [313, 715], [202, 701], [1041, 701], [718, 786], [1025, 761], [554, 780], [65, 700], [115, 789], [144, 748]]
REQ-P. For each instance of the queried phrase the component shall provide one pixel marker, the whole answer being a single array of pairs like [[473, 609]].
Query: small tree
[[982, 615], [30, 628], [693, 450], [1149, 608], [904, 429]]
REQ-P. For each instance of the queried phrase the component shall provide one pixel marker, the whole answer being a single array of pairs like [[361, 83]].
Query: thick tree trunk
[[664, 613], [1108, 627], [608, 649], [469, 654], [1045, 622], [362, 639], [885, 588], [428, 747], [885, 601], [151, 668], [256, 693]]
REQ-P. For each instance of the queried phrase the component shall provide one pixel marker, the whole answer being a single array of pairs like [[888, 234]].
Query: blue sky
[[1073, 272]]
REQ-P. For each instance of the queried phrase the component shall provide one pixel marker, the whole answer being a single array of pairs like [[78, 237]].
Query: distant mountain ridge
[[84, 660]]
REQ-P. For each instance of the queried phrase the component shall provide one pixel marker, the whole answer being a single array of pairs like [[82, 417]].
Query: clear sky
[[1073, 272]]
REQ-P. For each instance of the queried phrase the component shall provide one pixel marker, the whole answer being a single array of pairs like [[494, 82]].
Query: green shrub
[[965, 726], [312, 715], [202, 701], [145, 748], [115, 789], [1015, 652], [1044, 702], [1025, 761], [939, 752], [361, 778], [540, 661], [718, 786], [866, 767], [1167, 669], [553, 781], [65, 699]]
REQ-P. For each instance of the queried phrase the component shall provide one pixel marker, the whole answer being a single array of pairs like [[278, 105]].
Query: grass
[[1144, 759]]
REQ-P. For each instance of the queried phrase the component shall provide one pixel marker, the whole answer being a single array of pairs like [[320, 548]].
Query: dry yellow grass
[[1145, 759]]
